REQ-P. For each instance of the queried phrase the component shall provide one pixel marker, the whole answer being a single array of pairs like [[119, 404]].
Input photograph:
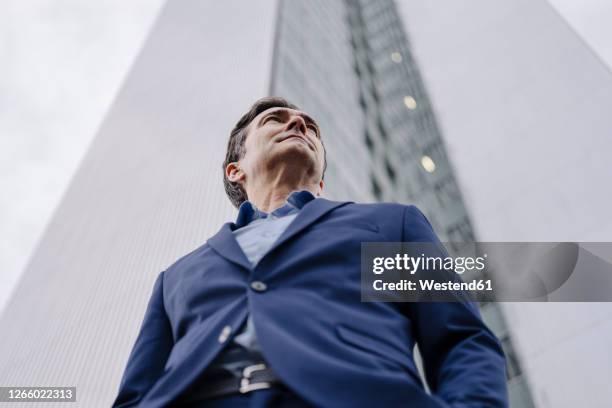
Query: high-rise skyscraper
[[149, 189], [383, 140]]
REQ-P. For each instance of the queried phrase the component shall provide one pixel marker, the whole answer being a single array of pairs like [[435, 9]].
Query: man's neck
[[272, 196]]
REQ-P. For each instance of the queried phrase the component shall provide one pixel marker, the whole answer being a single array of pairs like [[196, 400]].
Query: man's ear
[[234, 173], [320, 189]]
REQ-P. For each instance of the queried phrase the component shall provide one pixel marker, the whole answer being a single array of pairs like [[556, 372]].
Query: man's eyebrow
[[309, 120]]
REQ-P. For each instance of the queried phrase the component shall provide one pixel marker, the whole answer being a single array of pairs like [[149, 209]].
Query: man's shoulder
[[403, 222], [188, 258], [384, 209], [384, 215]]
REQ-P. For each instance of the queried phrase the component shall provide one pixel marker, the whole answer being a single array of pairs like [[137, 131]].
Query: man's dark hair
[[235, 145]]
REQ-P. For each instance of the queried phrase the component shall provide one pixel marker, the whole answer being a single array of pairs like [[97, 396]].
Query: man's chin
[[297, 157]]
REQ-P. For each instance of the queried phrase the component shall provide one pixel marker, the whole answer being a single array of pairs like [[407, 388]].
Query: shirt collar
[[296, 200]]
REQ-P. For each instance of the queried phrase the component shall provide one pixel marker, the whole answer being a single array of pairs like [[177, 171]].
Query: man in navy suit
[[268, 313]]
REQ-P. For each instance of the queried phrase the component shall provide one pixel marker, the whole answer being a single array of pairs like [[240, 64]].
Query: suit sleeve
[[464, 362], [150, 352]]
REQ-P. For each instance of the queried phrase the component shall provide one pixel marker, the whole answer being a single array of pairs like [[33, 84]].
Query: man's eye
[[274, 118], [314, 130]]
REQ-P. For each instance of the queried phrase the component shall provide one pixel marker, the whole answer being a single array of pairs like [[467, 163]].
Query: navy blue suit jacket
[[326, 345]]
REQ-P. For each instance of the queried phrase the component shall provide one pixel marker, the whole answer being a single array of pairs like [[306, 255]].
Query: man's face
[[285, 137]]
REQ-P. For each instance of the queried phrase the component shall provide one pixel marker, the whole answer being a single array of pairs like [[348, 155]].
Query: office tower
[[149, 189], [380, 131]]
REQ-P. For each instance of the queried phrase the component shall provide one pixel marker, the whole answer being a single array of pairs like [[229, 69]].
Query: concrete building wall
[[147, 192], [524, 108]]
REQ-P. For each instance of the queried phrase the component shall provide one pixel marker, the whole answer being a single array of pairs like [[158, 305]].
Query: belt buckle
[[245, 381]]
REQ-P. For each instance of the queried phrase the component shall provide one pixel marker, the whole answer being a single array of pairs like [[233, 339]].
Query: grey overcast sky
[[62, 63]]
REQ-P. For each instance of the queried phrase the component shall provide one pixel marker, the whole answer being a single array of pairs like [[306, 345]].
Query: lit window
[[410, 102], [428, 164], [396, 57]]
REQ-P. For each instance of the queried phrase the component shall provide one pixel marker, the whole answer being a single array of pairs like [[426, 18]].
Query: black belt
[[254, 377]]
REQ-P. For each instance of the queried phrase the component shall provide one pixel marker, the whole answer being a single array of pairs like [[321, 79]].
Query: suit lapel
[[225, 244], [311, 212]]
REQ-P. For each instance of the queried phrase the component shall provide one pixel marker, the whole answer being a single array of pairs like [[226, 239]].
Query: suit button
[[258, 286], [227, 330]]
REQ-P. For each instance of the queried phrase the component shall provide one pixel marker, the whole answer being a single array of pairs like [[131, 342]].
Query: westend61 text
[[405, 262], [430, 284]]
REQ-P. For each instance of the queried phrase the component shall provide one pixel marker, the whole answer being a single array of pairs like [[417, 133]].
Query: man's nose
[[297, 123]]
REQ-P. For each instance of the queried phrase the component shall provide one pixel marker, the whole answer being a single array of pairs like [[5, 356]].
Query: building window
[[368, 141], [410, 102], [381, 128], [376, 188], [389, 169], [428, 164]]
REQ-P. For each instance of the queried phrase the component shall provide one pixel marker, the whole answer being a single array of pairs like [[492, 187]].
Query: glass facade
[[314, 68], [349, 64]]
